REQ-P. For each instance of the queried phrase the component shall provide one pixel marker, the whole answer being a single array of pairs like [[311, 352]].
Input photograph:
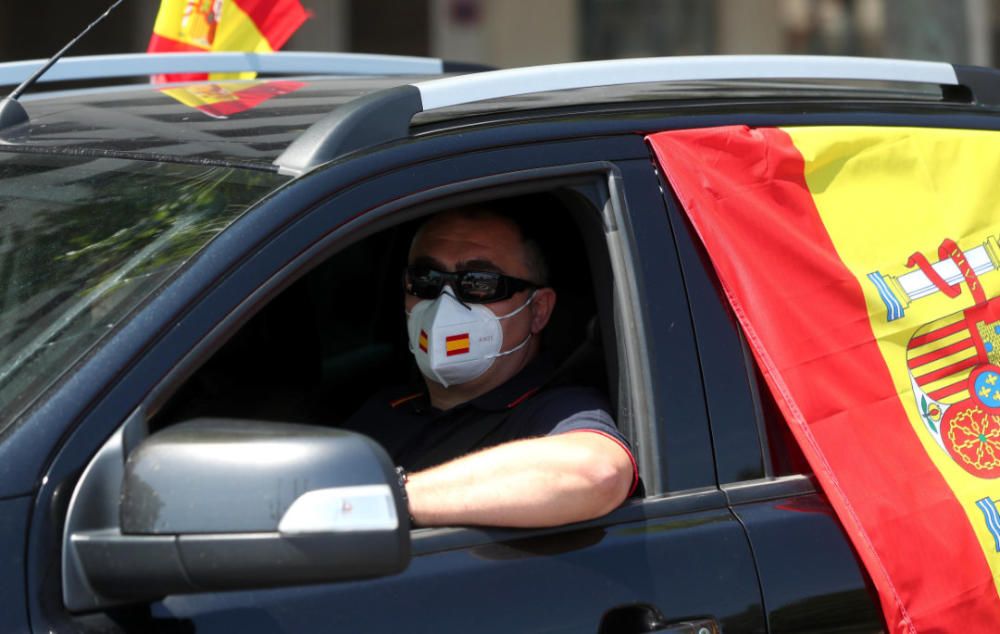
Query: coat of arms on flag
[[954, 361], [200, 21]]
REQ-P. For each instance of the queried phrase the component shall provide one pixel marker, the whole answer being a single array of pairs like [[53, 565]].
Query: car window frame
[[743, 445], [741, 450]]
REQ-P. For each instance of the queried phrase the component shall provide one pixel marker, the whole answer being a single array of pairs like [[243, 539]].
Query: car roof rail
[[385, 116], [91, 67]]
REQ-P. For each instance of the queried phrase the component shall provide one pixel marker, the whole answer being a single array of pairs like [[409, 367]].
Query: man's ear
[[541, 308]]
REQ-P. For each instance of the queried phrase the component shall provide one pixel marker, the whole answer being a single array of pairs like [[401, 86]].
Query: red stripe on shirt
[[520, 399], [400, 401], [635, 465]]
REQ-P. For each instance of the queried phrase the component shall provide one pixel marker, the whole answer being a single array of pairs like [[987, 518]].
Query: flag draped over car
[[862, 264], [260, 26]]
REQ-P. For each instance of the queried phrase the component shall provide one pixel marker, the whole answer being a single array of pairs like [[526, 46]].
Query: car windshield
[[83, 241]]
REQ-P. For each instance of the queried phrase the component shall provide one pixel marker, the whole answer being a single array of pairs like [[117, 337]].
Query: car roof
[[292, 124], [153, 120]]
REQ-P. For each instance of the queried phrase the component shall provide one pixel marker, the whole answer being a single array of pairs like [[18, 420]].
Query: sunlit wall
[[520, 32]]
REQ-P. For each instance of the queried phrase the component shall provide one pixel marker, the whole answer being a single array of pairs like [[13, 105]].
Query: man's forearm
[[535, 482]]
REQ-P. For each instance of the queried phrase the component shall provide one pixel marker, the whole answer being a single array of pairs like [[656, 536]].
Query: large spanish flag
[[863, 264], [259, 26]]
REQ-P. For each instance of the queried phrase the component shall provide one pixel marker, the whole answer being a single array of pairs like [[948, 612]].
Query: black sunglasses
[[473, 287]]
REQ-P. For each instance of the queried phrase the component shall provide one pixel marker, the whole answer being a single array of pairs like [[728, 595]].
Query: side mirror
[[213, 504]]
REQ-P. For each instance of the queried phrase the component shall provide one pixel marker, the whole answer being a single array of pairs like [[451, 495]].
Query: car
[[200, 280]]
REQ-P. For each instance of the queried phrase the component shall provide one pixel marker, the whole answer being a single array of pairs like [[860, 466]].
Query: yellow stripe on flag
[[884, 194], [169, 20], [943, 362], [237, 32], [208, 94], [938, 344]]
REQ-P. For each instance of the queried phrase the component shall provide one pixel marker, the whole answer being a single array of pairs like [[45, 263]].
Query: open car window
[[337, 335]]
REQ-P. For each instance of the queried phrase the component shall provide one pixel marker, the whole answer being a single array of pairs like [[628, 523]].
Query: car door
[[675, 557], [811, 577]]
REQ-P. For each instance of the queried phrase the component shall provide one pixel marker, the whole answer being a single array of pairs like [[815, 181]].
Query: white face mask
[[454, 342]]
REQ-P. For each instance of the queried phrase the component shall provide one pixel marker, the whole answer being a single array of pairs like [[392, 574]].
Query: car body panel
[[14, 513], [811, 577], [274, 231], [724, 534], [562, 582], [261, 262]]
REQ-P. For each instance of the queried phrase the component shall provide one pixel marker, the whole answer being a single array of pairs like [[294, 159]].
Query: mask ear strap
[[511, 314], [521, 307], [512, 350]]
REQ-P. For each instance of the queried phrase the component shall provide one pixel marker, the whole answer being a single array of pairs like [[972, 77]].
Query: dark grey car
[[190, 303]]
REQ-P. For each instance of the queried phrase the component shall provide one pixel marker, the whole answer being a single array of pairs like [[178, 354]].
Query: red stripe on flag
[[934, 335], [161, 44], [940, 354], [456, 338], [251, 98], [805, 316], [276, 20], [945, 392], [937, 375]]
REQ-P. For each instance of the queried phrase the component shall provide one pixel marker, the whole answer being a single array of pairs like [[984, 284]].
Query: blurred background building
[[523, 32]]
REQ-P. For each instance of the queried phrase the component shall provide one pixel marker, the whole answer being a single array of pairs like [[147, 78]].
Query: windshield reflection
[[83, 241]]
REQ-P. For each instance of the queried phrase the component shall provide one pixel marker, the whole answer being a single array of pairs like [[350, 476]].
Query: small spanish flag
[[456, 344], [422, 342], [259, 26]]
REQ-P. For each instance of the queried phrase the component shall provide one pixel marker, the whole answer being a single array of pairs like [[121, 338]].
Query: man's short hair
[[534, 255]]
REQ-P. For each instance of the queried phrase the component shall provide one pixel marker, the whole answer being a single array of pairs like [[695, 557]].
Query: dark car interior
[[316, 351]]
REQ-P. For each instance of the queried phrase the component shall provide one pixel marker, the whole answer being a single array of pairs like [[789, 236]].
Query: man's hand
[[536, 482]]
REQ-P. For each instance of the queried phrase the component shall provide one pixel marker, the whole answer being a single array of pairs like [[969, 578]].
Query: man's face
[[452, 243]]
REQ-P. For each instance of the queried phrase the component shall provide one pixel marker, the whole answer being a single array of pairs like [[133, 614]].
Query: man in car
[[487, 442]]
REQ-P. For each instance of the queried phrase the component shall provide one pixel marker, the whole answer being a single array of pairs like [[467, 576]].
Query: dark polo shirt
[[418, 436]]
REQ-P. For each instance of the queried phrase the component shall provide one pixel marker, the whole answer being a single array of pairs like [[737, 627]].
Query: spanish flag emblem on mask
[[456, 344]]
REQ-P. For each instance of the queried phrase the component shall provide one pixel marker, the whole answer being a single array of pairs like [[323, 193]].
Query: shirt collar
[[517, 389]]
